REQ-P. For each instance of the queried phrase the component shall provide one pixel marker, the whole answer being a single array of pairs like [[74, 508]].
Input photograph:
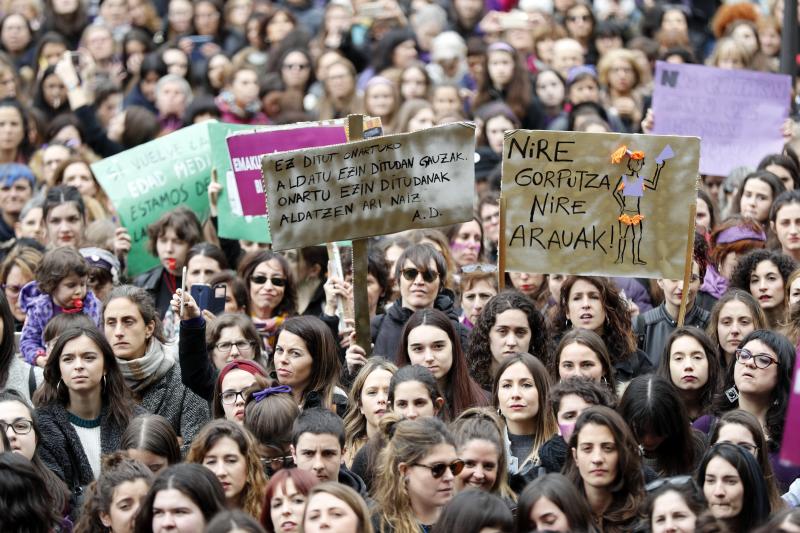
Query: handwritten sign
[[737, 113], [246, 151], [148, 180], [790, 452], [570, 209], [371, 187]]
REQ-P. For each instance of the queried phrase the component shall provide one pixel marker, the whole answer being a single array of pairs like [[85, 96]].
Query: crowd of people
[[487, 401]]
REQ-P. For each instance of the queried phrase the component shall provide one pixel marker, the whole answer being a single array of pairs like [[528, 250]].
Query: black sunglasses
[[260, 279], [486, 268], [428, 276], [675, 481], [438, 469]]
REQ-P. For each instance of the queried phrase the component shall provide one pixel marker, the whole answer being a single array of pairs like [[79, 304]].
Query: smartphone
[[198, 41], [210, 298]]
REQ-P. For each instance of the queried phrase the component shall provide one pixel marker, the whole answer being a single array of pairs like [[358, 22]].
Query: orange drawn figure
[[628, 193]]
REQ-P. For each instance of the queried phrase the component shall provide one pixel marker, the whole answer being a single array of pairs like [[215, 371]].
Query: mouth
[[239, 414], [747, 375], [585, 317], [380, 412], [598, 472], [764, 298], [516, 406], [288, 526], [689, 379], [476, 483], [283, 372]]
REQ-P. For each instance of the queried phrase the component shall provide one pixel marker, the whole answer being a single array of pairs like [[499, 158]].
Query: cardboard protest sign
[[148, 180], [247, 150], [790, 452], [737, 114], [597, 203], [371, 187]]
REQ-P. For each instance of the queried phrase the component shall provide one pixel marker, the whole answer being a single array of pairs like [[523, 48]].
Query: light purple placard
[[790, 451], [246, 151], [737, 114]]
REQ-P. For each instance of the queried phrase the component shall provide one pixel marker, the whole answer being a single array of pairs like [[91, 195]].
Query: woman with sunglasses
[[232, 389], [415, 475]]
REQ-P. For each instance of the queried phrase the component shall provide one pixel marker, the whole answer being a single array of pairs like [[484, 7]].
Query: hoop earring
[[104, 382]]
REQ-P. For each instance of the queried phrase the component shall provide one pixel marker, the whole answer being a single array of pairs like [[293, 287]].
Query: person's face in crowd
[[688, 364], [728, 264], [430, 347], [114, 12], [584, 90], [31, 226], [340, 81], [621, 76], [766, 284], [296, 70], [579, 22], [148, 87], [746, 37], [446, 101], [52, 156], [466, 243], [326, 512], [68, 135], [320, 454], [585, 306], [474, 299], [156, 463], [15, 34], [265, 295], [65, 7], [730, 59], [228, 463], [380, 100], [495, 132], [326, 60], [526, 282], [171, 251], [712, 185], [125, 502], [510, 334], [770, 41], [569, 409], [171, 100], [8, 83], [13, 197], [81, 365], [578, 360], [374, 396], [69, 290], [15, 280], [554, 283], [517, 395], [500, 66], [596, 456], [490, 218], [784, 175], [17, 424], [413, 400], [245, 87], [216, 70], [734, 323], [702, 218], [756, 199], [179, 15], [671, 514], [481, 459], [116, 125], [566, 55], [236, 383], [79, 175], [337, 19], [65, 225], [231, 305], [723, 489], [11, 129], [674, 20], [673, 288], [417, 293], [413, 84], [278, 28], [236, 13], [422, 487], [738, 434], [754, 381], [232, 335], [51, 53], [293, 361], [606, 43], [550, 89], [374, 292], [794, 292], [125, 329], [547, 516], [100, 43], [424, 118], [206, 18], [199, 269], [404, 54], [174, 511], [176, 61], [286, 508]]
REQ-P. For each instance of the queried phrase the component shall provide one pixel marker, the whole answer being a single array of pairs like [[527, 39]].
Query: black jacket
[[153, 282], [654, 327], [197, 372]]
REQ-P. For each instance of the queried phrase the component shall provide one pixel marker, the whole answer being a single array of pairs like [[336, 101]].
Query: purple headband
[[380, 80], [500, 46], [739, 233], [269, 391]]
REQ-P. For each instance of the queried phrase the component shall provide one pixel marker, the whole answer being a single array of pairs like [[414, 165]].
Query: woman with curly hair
[[594, 303], [230, 452], [764, 273], [508, 325]]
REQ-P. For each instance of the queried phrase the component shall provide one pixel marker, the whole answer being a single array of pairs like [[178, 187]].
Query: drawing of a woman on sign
[[628, 193]]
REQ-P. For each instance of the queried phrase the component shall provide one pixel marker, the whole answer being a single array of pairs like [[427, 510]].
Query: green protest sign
[[148, 180]]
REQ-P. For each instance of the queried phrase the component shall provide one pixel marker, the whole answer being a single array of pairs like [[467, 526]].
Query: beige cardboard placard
[[371, 187], [570, 209]]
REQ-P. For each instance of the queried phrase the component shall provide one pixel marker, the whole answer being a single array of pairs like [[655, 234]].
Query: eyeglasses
[[12, 289], [761, 360], [438, 469], [576, 18], [295, 66], [273, 464], [428, 276], [675, 481], [479, 267], [260, 279], [229, 396], [752, 448], [20, 426], [242, 346]]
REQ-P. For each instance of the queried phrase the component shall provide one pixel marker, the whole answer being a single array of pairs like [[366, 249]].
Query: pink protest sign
[[790, 451], [737, 114], [246, 151]]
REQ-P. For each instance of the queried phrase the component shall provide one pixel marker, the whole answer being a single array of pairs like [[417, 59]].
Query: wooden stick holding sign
[[501, 247], [687, 269]]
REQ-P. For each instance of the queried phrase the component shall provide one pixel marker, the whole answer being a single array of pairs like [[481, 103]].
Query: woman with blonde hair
[[335, 506], [622, 77]]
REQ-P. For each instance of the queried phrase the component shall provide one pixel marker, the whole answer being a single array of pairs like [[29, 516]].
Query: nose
[[412, 413], [118, 330], [511, 340], [219, 470], [428, 355], [478, 473], [718, 490], [515, 392], [318, 464], [236, 348]]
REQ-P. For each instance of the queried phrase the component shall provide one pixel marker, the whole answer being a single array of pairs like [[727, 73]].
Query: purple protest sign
[[790, 451], [246, 151], [737, 114]]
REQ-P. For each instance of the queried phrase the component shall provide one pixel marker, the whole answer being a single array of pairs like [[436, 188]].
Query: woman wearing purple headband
[[732, 239]]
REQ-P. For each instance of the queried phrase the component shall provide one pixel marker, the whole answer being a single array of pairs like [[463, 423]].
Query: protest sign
[[148, 180], [790, 451], [737, 114], [597, 203], [247, 150], [371, 187]]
